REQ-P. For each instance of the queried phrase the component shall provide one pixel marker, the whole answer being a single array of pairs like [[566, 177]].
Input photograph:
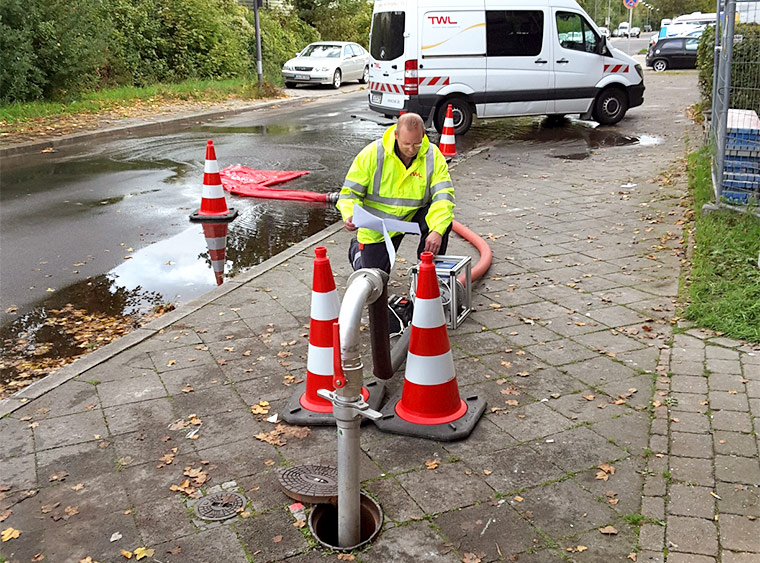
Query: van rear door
[[387, 58], [577, 66], [518, 67]]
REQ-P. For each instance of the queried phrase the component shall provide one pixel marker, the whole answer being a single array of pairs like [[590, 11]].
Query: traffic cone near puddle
[[213, 204]]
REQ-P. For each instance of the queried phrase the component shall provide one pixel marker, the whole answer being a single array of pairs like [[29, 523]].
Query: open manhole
[[323, 523], [219, 506], [315, 484]]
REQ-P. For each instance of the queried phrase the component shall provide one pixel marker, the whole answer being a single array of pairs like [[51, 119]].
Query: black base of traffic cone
[[448, 432], [295, 413], [229, 216]]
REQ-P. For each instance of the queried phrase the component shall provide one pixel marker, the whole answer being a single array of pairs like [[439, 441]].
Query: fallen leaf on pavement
[[126, 554], [9, 534], [261, 408], [142, 552], [432, 464], [277, 539], [608, 531], [4, 516], [471, 558], [60, 476], [78, 487], [175, 550], [632, 556], [116, 536]]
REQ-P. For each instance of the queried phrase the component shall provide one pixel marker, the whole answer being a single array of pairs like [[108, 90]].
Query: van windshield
[[387, 36]]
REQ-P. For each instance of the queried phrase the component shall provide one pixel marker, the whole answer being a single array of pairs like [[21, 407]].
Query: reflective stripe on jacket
[[379, 181]]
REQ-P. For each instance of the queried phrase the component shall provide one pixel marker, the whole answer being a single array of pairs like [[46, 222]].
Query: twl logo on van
[[441, 20], [382, 53]]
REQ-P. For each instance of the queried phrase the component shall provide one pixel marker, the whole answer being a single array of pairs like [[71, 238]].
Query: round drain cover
[[219, 506], [316, 484]]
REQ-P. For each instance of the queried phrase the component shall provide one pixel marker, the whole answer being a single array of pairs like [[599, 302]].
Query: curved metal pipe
[[364, 286]]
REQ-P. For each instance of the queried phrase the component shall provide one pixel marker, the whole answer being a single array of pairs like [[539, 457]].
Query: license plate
[[377, 97], [302, 77]]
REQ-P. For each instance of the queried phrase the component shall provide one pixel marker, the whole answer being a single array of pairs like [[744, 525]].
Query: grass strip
[[126, 96], [724, 293]]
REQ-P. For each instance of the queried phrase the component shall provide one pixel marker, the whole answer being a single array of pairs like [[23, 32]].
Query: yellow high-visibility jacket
[[379, 181]]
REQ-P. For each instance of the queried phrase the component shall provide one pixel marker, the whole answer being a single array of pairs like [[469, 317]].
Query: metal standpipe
[[365, 286]]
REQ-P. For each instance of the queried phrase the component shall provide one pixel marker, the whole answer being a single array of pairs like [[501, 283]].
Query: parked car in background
[[635, 32], [604, 31], [327, 62], [673, 52], [622, 29], [647, 28]]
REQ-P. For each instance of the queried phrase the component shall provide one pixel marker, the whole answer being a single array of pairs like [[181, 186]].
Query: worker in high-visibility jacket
[[402, 176]]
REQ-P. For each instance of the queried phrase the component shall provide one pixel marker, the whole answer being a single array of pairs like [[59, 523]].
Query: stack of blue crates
[[741, 169]]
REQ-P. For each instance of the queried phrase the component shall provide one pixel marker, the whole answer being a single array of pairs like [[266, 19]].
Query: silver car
[[327, 62]]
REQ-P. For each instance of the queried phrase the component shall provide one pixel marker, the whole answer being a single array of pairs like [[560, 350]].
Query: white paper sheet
[[364, 219]]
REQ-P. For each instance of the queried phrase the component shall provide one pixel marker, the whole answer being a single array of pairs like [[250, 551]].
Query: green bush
[[49, 48], [282, 36], [745, 66], [338, 20], [55, 50]]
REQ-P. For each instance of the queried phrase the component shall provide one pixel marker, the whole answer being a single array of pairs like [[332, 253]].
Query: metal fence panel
[[735, 125]]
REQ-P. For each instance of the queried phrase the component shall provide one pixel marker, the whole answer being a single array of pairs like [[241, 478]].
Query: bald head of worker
[[410, 130]]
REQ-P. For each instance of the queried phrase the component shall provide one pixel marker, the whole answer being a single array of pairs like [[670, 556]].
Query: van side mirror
[[602, 49]]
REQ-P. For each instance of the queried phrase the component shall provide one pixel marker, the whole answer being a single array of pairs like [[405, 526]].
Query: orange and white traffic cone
[[447, 144], [216, 242], [429, 405], [213, 205], [305, 406]]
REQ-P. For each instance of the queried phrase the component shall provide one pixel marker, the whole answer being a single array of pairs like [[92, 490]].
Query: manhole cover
[[219, 506], [310, 483]]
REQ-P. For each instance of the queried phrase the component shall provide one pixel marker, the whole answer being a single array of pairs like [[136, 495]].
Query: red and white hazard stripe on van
[[385, 87], [434, 81], [615, 69]]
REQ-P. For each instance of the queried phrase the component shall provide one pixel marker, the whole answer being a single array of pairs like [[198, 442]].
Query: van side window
[[387, 35], [575, 33], [514, 33]]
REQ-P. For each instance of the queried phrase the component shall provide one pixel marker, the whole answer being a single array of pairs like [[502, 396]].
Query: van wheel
[[461, 112], [610, 106], [660, 65]]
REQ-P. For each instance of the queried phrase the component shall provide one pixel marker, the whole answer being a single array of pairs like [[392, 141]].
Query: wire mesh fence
[[735, 125]]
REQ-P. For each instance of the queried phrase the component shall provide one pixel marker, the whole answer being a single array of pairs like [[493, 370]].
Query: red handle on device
[[339, 380]]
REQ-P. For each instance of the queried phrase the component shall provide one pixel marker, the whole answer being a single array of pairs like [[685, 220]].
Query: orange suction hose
[[482, 247]]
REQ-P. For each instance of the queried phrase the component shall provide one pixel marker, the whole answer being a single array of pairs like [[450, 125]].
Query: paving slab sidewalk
[[612, 433]]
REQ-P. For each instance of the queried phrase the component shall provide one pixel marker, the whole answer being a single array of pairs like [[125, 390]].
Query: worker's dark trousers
[[375, 255]]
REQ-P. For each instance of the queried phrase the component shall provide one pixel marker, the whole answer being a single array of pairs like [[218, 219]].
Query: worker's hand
[[433, 242], [349, 224]]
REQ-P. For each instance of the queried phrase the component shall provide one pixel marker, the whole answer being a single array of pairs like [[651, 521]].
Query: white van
[[622, 29], [496, 58]]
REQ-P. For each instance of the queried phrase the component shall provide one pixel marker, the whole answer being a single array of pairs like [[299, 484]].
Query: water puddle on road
[[563, 138], [88, 314]]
